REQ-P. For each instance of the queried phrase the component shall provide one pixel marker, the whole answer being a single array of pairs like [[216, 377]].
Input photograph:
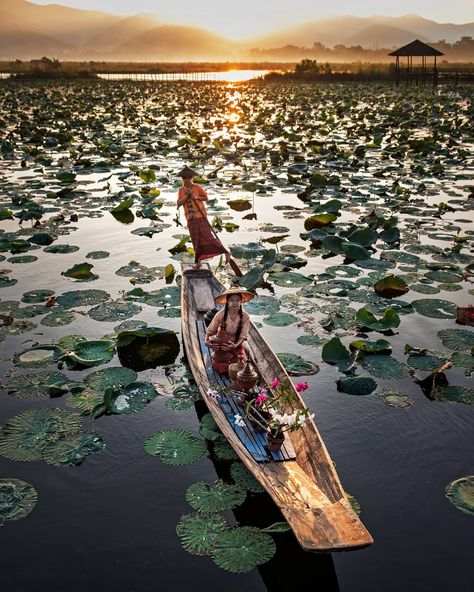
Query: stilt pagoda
[[418, 73]]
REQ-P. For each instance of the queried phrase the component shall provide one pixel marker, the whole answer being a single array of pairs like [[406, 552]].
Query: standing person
[[229, 329], [205, 241]]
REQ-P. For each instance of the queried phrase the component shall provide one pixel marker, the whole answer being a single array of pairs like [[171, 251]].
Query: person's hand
[[213, 345], [228, 346]]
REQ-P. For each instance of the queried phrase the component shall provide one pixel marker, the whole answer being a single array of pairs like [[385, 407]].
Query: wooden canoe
[[306, 488]]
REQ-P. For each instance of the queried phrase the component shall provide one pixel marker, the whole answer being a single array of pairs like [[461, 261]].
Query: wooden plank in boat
[[203, 296]]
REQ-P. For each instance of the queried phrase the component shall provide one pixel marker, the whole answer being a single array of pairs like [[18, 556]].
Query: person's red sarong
[[205, 242], [222, 366]]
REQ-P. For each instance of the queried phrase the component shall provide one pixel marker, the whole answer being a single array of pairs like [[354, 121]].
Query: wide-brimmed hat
[[245, 294], [187, 172]]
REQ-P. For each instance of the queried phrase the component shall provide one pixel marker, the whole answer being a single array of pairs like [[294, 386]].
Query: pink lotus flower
[[301, 386], [261, 398], [275, 383]]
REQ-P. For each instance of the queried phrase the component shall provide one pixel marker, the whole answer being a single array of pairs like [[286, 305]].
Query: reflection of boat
[[302, 481]]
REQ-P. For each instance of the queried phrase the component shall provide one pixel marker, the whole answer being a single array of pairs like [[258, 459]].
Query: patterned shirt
[[193, 209]]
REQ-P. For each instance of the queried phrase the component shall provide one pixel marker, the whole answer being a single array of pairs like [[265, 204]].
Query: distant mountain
[[25, 44], [173, 42], [377, 36], [122, 31], [346, 29]]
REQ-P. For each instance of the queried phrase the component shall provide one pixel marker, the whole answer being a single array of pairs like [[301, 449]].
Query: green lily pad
[[425, 289], [25, 437], [253, 278], [466, 361], [447, 277], [381, 346], [129, 399], [92, 353], [81, 272], [169, 313], [61, 249], [389, 320], [114, 310], [242, 549], [58, 318], [86, 401], [176, 447], [72, 450], [356, 385], [140, 273], [392, 398], [148, 347], [68, 342], [456, 394], [461, 494], [424, 362], [296, 365], [35, 357], [311, 340], [221, 496], [115, 377], [247, 251], [38, 384], [262, 305], [336, 354], [384, 367], [435, 308], [244, 478], [17, 499], [223, 450], [289, 279], [97, 255], [77, 298], [457, 339], [391, 286], [280, 319], [36, 296], [198, 532], [183, 399], [208, 428], [22, 259]]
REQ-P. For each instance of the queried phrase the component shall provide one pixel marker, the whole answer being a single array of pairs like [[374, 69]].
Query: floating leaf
[[335, 353], [457, 339], [148, 347], [115, 377], [77, 298], [280, 319], [357, 385], [244, 478], [319, 221], [125, 204], [461, 494], [384, 367], [208, 428], [296, 365], [391, 286], [261, 305], [247, 251], [129, 399], [456, 394], [241, 549], [114, 310], [73, 449], [17, 499], [253, 278], [381, 346], [389, 320], [36, 296], [223, 450], [92, 353], [26, 436], [198, 532], [289, 279], [58, 318], [86, 401], [424, 361], [435, 308], [211, 498], [41, 355], [176, 447], [38, 384], [81, 272], [393, 398]]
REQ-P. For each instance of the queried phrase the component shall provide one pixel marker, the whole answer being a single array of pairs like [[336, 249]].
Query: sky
[[246, 18]]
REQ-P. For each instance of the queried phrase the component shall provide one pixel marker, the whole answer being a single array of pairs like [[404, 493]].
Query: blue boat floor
[[254, 442]]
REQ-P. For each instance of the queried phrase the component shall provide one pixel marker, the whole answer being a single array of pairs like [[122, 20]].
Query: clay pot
[[247, 378], [275, 441], [234, 369]]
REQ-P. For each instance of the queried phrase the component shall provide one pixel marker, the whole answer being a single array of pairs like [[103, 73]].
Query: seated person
[[229, 329]]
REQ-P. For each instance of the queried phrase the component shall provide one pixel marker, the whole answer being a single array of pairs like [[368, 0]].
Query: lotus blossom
[[261, 398], [301, 386], [275, 383]]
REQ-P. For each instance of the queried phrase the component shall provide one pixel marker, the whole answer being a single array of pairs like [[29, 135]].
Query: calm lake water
[[109, 524]]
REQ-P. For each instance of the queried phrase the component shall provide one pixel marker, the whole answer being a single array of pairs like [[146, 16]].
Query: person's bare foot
[[197, 265]]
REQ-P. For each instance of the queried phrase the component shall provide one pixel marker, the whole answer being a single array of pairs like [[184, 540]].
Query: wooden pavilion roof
[[416, 48]]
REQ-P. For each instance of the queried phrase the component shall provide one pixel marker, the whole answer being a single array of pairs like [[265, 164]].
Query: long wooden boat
[[301, 478]]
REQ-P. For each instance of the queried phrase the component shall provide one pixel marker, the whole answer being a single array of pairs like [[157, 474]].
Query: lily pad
[[81, 272], [356, 385], [92, 353], [435, 308], [381, 346], [61, 249], [241, 549], [115, 377], [384, 367], [263, 305], [461, 494], [36, 296], [389, 320], [457, 339], [35, 357], [424, 361], [129, 399], [244, 478], [211, 498], [58, 318], [456, 394], [223, 450], [72, 450], [391, 286], [77, 298], [247, 251], [86, 401], [148, 347], [296, 365], [114, 310], [280, 319], [198, 532], [25, 437], [97, 255], [38, 384], [289, 279], [17, 499], [176, 447], [392, 398], [336, 354], [208, 428]]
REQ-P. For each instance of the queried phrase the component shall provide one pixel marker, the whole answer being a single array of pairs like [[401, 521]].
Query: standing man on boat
[[205, 241]]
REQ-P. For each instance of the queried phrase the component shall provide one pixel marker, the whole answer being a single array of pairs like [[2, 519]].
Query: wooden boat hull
[[307, 489]]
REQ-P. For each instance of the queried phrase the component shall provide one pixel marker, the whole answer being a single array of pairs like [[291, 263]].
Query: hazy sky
[[246, 18]]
